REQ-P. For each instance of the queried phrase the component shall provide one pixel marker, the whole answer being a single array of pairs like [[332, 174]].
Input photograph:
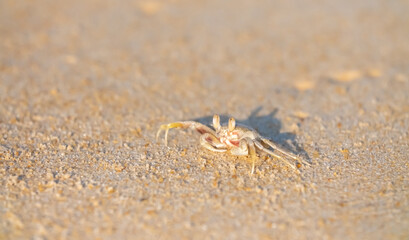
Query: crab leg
[[252, 152], [262, 148], [186, 124], [246, 147], [211, 143], [274, 146]]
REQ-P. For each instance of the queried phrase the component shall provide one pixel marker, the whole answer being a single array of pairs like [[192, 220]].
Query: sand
[[84, 86]]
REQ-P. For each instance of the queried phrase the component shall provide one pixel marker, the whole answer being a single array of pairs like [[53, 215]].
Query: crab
[[239, 140]]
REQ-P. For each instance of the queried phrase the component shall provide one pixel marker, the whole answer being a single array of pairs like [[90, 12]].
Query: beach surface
[[85, 85]]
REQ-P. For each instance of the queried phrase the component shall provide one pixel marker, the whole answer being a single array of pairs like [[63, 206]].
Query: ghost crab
[[240, 140]]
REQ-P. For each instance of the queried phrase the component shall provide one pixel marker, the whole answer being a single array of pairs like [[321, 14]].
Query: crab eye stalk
[[232, 124], [216, 122]]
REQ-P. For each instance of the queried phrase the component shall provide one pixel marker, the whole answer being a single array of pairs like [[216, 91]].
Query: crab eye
[[216, 122], [232, 124]]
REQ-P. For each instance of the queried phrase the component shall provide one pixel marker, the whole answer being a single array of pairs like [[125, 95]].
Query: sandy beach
[[85, 85]]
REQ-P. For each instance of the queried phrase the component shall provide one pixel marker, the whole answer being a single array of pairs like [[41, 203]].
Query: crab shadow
[[268, 126]]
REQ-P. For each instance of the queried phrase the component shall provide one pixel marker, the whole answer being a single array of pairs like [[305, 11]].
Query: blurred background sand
[[84, 86]]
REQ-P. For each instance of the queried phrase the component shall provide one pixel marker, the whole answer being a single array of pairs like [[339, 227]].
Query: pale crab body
[[239, 140], [232, 139]]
